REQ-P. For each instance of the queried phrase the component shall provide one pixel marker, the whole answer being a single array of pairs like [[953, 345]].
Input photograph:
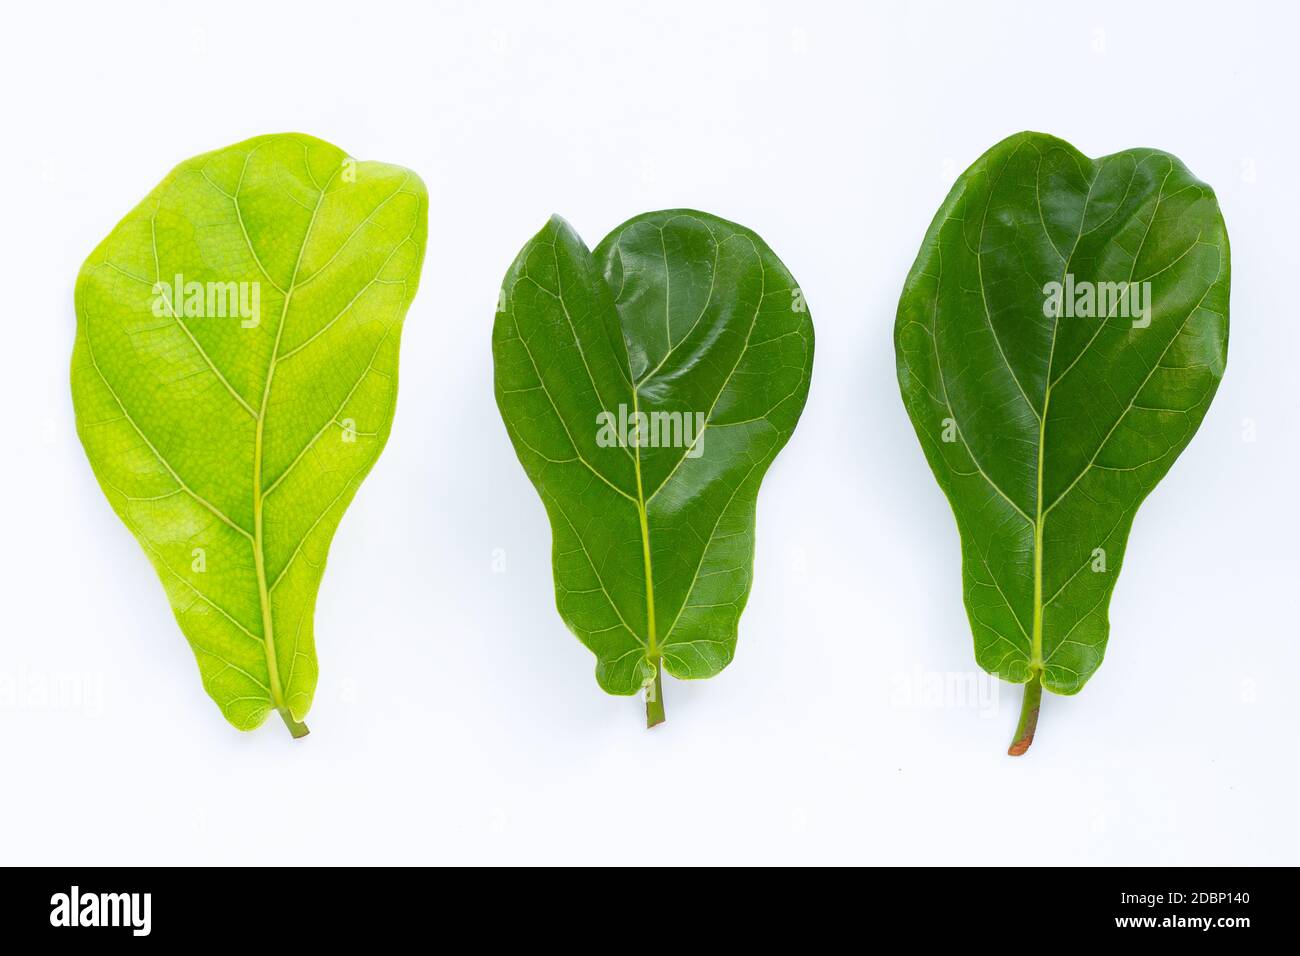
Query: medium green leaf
[[693, 322], [1046, 426], [234, 378]]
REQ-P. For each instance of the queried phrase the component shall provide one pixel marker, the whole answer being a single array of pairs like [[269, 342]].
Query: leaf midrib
[[653, 651], [259, 541], [1036, 664], [1038, 522]]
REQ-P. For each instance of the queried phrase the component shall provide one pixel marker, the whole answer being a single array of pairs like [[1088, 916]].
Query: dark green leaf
[[1046, 426], [693, 322]]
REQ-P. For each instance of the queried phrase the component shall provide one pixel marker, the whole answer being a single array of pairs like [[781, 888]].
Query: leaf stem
[[654, 699], [1028, 715], [296, 727]]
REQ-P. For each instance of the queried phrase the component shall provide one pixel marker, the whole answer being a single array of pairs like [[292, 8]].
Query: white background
[[456, 718]]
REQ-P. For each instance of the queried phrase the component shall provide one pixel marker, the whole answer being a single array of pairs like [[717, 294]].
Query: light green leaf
[[1045, 425], [234, 378], [693, 322]]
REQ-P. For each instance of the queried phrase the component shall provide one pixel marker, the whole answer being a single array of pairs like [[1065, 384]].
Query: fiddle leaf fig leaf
[[1059, 340], [234, 378], [647, 385]]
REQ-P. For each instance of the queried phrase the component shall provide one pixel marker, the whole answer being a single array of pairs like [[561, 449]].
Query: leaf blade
[[653, 567], [153, 385], [1044, 481]]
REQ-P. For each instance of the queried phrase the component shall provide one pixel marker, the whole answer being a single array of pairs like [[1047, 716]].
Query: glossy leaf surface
[[234, 378], [1045, 419], [693, 322]]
